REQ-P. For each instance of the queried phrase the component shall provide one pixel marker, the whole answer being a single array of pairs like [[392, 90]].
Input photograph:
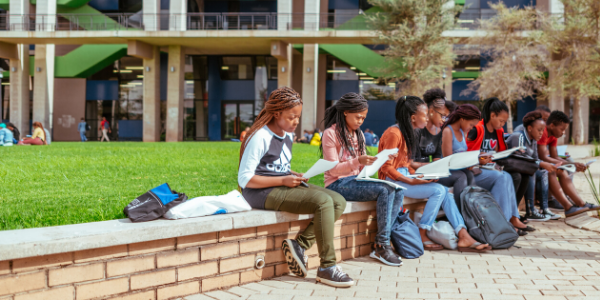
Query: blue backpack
[[406, 238]]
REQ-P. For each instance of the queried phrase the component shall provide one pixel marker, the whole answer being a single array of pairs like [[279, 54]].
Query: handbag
[[442, 233], [406, 238], [519, 163], [153, 204]]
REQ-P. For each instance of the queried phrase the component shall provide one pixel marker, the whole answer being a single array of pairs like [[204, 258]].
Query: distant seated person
[[369, 140], [38, 138], [243, 134], [6, 136], [316, 139], [15, 132]]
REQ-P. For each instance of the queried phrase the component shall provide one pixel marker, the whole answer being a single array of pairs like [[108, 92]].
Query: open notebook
[[441, 168], [368, 171]]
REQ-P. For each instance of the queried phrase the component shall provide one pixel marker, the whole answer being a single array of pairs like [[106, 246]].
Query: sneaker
[[553, 203], [547, 212], [592, 206], [575, 210], [537, 217], [334, 276], [294, 256], [386, 255]]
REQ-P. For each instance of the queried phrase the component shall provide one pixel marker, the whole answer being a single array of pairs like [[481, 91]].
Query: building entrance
[[236, 116]]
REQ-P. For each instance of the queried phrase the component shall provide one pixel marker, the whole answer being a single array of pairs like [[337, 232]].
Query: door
[[236, 116]]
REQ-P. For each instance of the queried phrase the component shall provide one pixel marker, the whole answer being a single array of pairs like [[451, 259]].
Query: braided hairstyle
[[352, 103], [465, 111], [280, 99], [406, 107], [492, 105], [435, 97]]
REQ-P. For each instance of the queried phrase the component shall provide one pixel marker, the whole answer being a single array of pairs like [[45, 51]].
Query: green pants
[[326, 205]]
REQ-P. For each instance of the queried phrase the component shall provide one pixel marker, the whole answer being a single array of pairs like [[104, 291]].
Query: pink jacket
[[332, 151]]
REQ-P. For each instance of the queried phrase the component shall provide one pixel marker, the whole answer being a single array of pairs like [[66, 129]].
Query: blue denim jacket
[[6, 136]]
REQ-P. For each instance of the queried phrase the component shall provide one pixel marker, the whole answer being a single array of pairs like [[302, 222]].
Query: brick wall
[[169, 268]]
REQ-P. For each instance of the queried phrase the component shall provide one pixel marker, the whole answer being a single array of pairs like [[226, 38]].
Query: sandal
[[520, 232], [528, 228], [433, 246], [473, 248]]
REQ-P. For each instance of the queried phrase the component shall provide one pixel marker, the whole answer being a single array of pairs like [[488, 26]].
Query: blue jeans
[[438, 196], [389, 201], [538, 186], [500, 185], [82, 135]]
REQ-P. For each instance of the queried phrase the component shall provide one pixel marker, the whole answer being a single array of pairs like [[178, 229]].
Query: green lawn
[[69, 183]]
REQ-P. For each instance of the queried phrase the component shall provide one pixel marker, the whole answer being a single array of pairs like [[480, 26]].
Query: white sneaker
[[548, 213]]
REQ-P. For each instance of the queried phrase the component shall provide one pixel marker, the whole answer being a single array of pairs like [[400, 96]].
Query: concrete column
[[19, 15], [175, 90], [43, 85], [178, 16], [281, 51], [581, 117], [284, 14], [321, 90], [310, 86], [152, 97], [45, 11], [19, 89], [151, 15], [312, 10]]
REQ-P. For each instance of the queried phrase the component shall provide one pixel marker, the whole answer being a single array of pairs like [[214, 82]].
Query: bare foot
[[465, 240], [517, 223], [425, 239]]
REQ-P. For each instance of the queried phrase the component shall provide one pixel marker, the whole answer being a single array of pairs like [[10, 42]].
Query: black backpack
[[484, 218], [153, 204]]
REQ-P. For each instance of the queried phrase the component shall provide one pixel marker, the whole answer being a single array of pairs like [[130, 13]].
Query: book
[[505, 153]]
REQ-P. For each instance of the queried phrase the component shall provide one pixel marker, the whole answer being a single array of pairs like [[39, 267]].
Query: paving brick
[[177, 258], [20, 283], [102, 288], [236, 234], [197, 240], [131, 265], [217, 251], [63, 293], [75, 274], [256, 245], [148, 295], [218, 282], [151, 247], [273, 229], [100, 253], [257, 275], [41, 262], [152, 279], [197, 271], [182, 289]]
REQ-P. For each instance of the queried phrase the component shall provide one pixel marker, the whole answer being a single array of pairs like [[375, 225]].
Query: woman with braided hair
[[268, 182], [343, 141]]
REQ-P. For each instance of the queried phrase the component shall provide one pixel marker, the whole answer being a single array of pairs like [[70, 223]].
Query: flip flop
[[427, 243], [521, 232], [528, 228], [473, 248]]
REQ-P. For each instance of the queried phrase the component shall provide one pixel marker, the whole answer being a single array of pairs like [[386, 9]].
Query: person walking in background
[[38, 137], [105, 127], [82, 127], [6, 136]]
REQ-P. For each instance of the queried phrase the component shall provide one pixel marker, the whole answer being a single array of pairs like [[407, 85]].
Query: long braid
[[350, 102], [407, 106], [279, 100], [465, 111]]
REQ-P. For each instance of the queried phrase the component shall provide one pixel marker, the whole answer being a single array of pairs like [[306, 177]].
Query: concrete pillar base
[[43, 84], [310, 86], [19, 89], [152, 124]]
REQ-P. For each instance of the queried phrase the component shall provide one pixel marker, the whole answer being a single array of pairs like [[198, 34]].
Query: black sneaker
[[537, 217], [386, 255], [334, 276], [294, 256], [553, 203]]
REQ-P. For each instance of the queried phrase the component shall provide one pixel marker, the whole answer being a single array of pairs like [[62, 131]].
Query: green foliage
[[70, 183], [596, 150]]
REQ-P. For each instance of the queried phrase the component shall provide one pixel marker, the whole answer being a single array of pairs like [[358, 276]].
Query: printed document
[[368, 171], [321, 166]]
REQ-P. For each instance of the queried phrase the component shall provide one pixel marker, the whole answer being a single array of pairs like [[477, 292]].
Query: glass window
[[237, 68], [271, 63], [195, 105], [338, 70]]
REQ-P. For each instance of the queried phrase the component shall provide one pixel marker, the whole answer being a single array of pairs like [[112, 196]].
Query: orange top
[[392, 138]]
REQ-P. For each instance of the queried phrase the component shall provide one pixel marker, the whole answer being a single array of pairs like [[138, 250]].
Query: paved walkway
[[554, 262]]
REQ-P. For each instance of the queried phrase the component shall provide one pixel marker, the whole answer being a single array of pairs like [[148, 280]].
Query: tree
[[574, 41], [516, 54], [416, 53]]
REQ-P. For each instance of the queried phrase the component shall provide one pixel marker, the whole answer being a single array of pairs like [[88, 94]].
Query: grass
[[70, 183]]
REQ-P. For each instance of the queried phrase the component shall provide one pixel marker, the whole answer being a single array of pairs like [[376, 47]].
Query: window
[[237, 68]]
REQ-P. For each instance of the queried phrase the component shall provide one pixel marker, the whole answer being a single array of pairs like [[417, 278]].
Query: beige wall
[[69, 108]]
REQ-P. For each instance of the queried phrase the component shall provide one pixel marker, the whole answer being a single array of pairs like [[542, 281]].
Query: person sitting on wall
[[38, 138], [6, 136]]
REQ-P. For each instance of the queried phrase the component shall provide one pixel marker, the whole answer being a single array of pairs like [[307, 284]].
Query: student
[[268, 182], [368, 137], [557, 123], [488, 136], [411, 113], [38, 137], [316, 138], [105, 128], [15, 131], [343, 141], [6, 136], [82, 128], [429, 138], [533, 125]]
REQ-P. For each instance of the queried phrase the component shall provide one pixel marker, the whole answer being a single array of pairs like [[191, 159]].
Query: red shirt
[[547, 140]]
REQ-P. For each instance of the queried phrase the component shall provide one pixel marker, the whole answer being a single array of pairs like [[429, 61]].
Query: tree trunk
[[509, 122], [578, 126]]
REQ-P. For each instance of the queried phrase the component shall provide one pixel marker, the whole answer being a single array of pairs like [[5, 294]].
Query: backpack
[[484, 218], [406, 238], [153, 204]]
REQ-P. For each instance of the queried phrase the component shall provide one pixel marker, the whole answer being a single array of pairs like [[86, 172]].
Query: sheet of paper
[[382, 157], [394, 185], [462, 160], [321, 166], [570, 167], [590, 162], [430, 176], [562, 150], [439, 166], [506, 153]]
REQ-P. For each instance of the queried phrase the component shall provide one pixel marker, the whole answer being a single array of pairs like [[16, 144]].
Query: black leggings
[[521, 182], [459, 180]]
